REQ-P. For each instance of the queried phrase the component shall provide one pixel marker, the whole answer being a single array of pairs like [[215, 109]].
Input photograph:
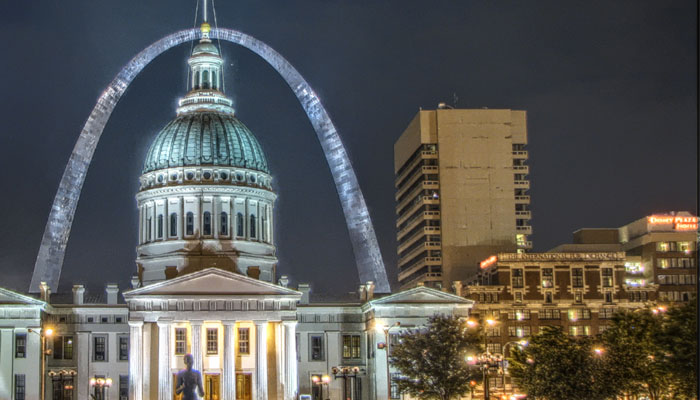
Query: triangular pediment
[[421, 294], [212, 282], [9, 297]]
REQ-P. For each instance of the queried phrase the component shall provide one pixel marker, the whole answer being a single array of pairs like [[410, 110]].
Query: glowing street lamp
[[100, 384], [320, 381]]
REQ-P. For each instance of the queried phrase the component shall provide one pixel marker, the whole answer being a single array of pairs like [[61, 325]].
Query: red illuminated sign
[[679, 223], [488, 262]]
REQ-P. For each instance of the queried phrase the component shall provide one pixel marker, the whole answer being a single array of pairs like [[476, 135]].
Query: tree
[[431, 361], [634, 353], [555, 366], [679, 343]]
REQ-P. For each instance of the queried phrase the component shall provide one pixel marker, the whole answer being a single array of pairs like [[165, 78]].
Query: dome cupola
[[205, 197]]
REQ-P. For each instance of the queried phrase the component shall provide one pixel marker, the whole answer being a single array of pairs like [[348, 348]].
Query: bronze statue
[[188, 380]]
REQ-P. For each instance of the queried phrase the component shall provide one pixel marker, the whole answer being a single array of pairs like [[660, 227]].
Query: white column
[[291, 383], [229, 372], [135, 364], [165, 386], [261, 360], [196, 327], [6, 355], [146, 358], [280, 360]]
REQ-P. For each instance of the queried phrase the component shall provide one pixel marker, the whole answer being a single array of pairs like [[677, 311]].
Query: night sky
[[610, 88]]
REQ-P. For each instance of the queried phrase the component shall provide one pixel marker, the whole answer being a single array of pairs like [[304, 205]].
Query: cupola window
[[252, 227], [189, 230], [196, 80], [149, 221], [206, 219], [173, 225], [214, 81], [224, 224], [239, 225]]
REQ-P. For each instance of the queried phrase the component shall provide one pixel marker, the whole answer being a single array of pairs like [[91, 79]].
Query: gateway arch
[[362, 236]]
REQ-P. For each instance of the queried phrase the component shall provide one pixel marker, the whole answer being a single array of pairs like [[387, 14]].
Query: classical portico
[[241, 332]]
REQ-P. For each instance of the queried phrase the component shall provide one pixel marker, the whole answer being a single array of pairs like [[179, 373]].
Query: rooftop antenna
[[205, 11]]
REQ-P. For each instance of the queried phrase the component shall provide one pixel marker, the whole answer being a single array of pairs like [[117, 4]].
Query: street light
[[320, 381], [47, 332], [100, 384], [387, 344], [345, 373]]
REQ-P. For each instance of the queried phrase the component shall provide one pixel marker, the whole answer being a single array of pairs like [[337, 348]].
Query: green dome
[[205, 138]]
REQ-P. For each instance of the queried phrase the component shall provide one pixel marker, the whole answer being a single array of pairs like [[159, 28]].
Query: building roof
[[205, 138]]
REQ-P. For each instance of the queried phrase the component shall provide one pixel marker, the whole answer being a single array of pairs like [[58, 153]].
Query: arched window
[[173, 224], [263, 228], [206, 223], [239, 225], [196, 80], [224, 224], [252, 226], [149, 221], [160, 226], [189, 224], [205, 79]]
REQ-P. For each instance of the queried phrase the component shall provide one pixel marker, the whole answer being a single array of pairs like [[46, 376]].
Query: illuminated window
[[205, 79], [663, 246], [173, 225], [351, 346], [577, 314], [519, 315], [686, 246], [189, 223], [62, 348], [579, 330], [243, 341], [578, 297], [518, 331], [577, 277], [493, 332], [206, 219], [493, 348], [547, 277], [224, 224], [123, 387], [180, 341], [212, 340], [517, 278], [663, 262], [518, 297], [607, 277]]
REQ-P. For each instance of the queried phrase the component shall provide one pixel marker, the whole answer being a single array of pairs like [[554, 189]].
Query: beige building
[[461, 192]]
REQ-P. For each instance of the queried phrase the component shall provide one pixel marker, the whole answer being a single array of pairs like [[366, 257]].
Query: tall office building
[[461, 192]]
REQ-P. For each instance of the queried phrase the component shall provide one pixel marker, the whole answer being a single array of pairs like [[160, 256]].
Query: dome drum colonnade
[[52, 250]]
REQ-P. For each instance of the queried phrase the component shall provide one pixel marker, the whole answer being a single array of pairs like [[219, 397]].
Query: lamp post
[[345, 373], [521, 344], [48, 332], [320, 381], [100, 384], [387, 347]]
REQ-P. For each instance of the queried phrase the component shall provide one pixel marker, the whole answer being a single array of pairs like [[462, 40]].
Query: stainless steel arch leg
[[364, 241]]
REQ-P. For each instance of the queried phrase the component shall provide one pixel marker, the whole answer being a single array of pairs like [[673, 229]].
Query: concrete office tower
[[461, 192]]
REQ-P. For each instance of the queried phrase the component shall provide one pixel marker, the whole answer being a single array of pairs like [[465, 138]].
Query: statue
[[188, 380]]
